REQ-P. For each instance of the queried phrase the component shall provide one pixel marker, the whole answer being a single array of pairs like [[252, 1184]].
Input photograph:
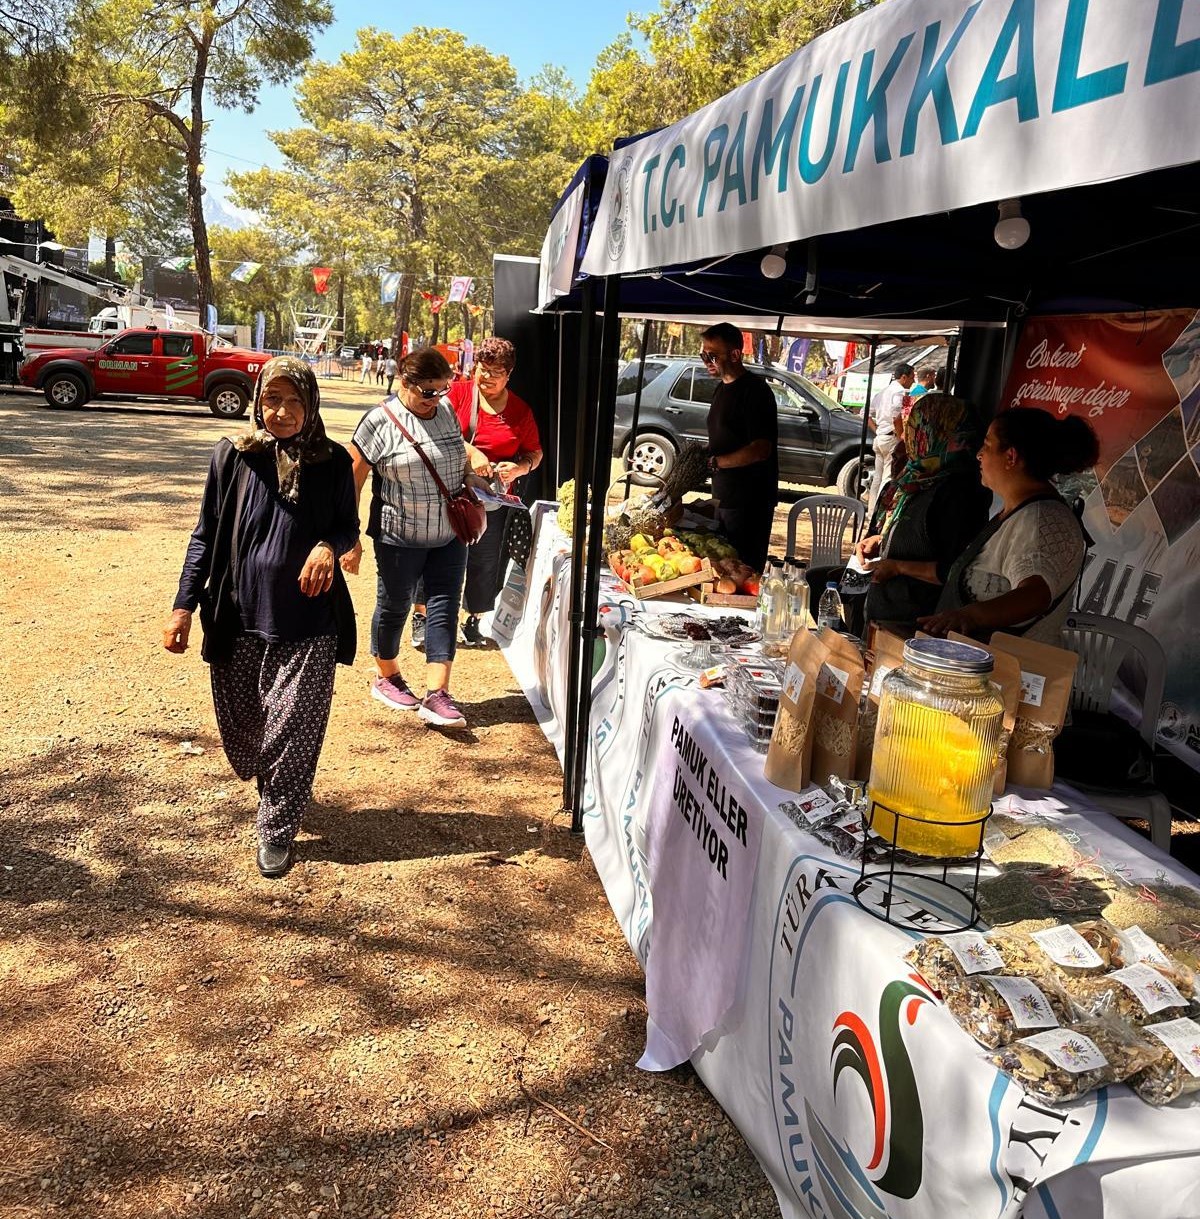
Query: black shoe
[[471, 635], [274, 861], [418, 632]]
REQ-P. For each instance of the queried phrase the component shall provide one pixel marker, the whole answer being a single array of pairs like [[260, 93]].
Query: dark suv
[[818, 440]]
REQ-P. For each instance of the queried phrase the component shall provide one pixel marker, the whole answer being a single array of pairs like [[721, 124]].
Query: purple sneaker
[[438, 709], [394, 692]]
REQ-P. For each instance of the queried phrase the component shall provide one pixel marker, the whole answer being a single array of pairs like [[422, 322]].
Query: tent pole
[[583, 434], [951, 362], [637, 401], [861, 531], [606, 407]]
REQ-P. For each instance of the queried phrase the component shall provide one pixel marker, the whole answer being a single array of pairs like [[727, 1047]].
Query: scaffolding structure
[[314, 332]]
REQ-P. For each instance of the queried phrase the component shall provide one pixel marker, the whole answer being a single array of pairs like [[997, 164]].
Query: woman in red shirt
[[502, 441]]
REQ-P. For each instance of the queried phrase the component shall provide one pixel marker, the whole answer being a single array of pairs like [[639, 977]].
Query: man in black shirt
[[743, 435]]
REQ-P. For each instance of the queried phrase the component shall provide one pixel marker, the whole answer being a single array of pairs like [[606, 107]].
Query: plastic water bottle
[[829, 609], [797, 597]]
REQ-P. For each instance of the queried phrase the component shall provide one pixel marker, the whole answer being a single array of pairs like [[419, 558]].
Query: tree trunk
[[403, 312], [341, 301], [110, 257], [435, 334], [278, 317], [195, 189]]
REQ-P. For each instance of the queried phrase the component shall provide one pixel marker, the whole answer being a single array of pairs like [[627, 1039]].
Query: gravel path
[[433, 1014]]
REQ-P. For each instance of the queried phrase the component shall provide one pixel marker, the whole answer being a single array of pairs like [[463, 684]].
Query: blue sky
[[530, 32]]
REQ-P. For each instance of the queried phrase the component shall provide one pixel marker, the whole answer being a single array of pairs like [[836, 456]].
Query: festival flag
[[460, 289], [321, 279], [244, 272], [389, 286], [180, 263], [435, 303], [260, 330], [210, 319]]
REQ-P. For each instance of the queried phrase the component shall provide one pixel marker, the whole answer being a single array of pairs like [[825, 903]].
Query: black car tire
[[65, 390], [652, 454], [228, 400], [849, 482]]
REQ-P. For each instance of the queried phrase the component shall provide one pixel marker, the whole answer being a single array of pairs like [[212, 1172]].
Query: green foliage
[[687, 54]]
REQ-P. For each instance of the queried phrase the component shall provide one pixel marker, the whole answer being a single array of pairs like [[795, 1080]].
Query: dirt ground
[[433, 1014]]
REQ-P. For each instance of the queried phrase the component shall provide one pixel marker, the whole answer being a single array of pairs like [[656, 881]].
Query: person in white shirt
[[887, 411]]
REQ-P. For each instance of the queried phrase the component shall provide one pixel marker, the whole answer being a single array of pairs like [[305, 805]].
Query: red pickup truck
[[149, 363]]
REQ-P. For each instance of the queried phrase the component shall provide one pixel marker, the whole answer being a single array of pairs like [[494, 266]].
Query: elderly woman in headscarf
[[278, 511], [927, 514]]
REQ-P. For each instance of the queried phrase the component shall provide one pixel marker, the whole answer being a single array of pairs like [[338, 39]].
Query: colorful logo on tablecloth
[[844, 1175]]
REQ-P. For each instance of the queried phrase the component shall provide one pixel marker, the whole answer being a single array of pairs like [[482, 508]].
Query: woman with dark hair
[[278, 510], [1018, 573], [410, 526]]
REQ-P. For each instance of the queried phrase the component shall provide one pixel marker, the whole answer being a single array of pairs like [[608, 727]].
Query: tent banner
[[557, 270], [912, 108], [1136, 379]]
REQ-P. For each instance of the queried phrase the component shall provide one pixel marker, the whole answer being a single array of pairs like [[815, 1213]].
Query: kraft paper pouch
[[789, 756], [1047, 675], [835, 708], [886, 652], [1006, 673]]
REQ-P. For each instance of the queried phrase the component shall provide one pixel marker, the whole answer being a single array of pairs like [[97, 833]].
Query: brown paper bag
[[789, 756], [1006, 673], [835, 708], [885, 654], [1047, 675]]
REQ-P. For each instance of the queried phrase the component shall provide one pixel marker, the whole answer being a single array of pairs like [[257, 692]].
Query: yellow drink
[[932, 765]]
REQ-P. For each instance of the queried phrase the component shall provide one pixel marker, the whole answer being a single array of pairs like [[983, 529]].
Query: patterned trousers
[[272, 702]]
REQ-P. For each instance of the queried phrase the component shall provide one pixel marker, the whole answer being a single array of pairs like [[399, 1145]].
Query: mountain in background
[[217, 212]]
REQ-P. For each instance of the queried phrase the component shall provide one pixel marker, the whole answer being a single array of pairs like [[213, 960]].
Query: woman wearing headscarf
[[278, 511], [927, 514]]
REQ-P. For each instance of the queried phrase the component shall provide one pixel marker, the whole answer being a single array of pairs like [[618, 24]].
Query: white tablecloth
[[858, 1093]]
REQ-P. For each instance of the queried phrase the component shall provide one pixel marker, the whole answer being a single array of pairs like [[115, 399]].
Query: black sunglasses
[[426, 393], [708, 357]]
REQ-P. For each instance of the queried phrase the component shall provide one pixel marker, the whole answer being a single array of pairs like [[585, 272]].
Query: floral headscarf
[[941, 437], [309, 445]]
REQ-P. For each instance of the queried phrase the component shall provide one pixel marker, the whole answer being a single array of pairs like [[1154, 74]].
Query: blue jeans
[[399, 570]]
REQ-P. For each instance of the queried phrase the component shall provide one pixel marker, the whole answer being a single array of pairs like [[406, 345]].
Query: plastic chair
[[1103, 645], [831, 515]]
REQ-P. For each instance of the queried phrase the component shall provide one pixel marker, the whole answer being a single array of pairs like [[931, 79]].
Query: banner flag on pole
[[389, 286], [260, 330], [210, 320], [460, 289], [321, 279], [798, 354], [244, 272]]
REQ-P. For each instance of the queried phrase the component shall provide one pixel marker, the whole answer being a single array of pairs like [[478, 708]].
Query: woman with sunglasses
[[411, 530], [502, 443]]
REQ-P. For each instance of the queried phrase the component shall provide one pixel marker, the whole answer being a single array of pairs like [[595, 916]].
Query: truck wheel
[[854, 479], [650, 454], [65, 389], [228, 401]]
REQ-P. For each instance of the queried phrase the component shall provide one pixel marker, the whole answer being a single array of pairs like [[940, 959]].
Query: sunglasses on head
[[426, 393]]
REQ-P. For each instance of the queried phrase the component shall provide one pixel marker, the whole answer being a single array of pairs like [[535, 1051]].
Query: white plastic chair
[[1103, 645], [831, 516]]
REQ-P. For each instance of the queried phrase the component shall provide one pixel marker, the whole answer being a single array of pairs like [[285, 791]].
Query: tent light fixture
[[1012, 229], [774, 262]]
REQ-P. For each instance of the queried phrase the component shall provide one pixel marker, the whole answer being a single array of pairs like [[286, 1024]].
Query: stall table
[[764, 970]]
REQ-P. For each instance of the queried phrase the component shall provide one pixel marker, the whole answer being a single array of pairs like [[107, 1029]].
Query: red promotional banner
[[1136, 379], [321, 279]]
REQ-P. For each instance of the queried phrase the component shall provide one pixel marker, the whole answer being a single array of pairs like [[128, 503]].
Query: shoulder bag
[[467, 517]]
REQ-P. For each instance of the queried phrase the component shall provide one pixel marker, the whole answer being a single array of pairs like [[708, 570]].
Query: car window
[[133, 345], [627, 381], [682, 389], [704, 387], [177, 344], [788, 398]]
